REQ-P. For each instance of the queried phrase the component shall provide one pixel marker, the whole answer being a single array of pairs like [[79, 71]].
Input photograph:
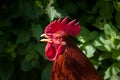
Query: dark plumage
[[73, 65]]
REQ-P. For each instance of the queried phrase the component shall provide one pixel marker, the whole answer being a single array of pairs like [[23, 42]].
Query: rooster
[[70, 63]]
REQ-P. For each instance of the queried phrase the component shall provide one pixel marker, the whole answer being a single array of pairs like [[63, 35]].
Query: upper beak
[[46, 38]]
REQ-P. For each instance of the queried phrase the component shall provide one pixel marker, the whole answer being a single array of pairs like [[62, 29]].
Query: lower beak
[[46, 38]]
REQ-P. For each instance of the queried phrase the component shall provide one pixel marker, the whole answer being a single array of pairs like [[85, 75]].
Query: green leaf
[[116, 55], [31, 52], [99, 42], [106, 9], [117, 18], [36, 31], [30, 47], [103, 44], [117, 5], [83, 35], [93, 35], [46, 72], [29, 56], [89, 50], [40, 48], [108, 48], [38, 3], [23, 37], [104, 56], [112, 70], [115, 70], [110, 31], [36, 63], [96, 63], [26, 66], [31, 59], [114, 77], [117, 42], [107, 73], [52, 13], [29, 9], [99, 23]]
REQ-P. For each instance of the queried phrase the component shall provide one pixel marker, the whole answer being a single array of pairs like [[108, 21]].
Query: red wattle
[[50, 52]]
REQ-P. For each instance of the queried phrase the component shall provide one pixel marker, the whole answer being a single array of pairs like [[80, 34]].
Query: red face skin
[[55, 47]]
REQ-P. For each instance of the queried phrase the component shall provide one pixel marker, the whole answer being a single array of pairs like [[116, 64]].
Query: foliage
[[22, 22]]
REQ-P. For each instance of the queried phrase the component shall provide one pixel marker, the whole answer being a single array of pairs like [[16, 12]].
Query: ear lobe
[[61, 49]]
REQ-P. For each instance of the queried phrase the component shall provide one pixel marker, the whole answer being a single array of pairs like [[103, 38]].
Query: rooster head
[[55, 34]]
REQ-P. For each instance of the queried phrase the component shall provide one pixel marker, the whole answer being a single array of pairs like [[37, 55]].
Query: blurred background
[[22, 22]]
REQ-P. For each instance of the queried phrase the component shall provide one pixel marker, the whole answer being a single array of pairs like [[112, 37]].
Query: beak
[[46, 38]]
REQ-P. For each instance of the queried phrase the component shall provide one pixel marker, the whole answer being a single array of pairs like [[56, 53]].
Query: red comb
[[72, 28]]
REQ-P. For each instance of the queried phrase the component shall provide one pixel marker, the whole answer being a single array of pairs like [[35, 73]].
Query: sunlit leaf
[[112, 70], [110, 31], [114, 77], [107, 73], [83, 35], [115, 70], [99, 42], [90, 50]]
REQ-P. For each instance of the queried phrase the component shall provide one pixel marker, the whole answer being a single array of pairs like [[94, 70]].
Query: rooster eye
[[58, 38]]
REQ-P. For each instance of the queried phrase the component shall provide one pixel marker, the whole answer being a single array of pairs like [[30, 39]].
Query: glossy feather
[[73, 65]]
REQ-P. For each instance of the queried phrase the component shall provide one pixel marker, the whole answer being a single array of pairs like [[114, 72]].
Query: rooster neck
[[69, 42], [73, 65]]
